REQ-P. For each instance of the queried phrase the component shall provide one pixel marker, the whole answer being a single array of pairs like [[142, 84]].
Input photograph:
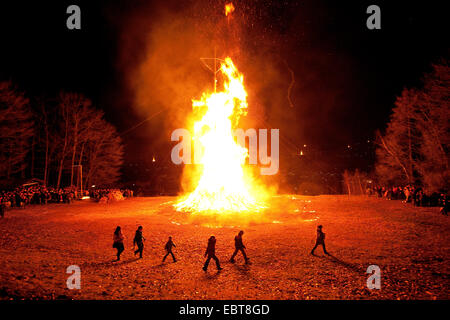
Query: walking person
[[320, 240], [139, 241], [239, 246], [168, 248], [118, 242], [211, 253]]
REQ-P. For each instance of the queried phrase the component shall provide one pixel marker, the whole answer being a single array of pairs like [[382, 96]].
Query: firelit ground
[[410, 245]]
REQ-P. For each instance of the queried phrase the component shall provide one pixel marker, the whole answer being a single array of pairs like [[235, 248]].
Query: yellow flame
[[223, 186], [229, 8]]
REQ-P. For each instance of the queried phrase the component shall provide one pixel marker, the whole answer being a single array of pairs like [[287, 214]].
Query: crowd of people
[[36, 194], [23, 196], [412, 194]]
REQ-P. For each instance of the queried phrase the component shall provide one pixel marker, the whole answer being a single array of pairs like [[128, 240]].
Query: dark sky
[[347, 77]]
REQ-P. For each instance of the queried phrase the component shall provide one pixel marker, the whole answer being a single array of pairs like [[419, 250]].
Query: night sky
[[346, 76]]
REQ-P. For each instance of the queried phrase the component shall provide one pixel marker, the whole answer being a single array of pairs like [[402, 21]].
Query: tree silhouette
[[104, 154], [416, 143], [89, 140], [432, 120], [398, 147], [16, 130]]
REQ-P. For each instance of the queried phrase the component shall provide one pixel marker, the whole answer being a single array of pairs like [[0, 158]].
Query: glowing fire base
[[201, 201]]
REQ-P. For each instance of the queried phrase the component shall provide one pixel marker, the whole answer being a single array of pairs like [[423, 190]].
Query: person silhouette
[[139, 241], [239, 246], [168, 248], [118, 242], [211, 253], [320, 240]]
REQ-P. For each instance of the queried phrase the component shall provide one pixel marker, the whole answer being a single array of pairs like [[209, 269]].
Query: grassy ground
[[410, 245]]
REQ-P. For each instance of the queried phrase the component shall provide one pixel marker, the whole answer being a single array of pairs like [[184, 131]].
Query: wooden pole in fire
[[215, 70]]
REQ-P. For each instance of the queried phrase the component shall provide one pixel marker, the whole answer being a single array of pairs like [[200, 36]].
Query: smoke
[[272, 44], [160, 53]]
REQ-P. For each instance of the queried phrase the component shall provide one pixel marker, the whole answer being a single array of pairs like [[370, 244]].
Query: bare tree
[[66, 103], [355, 182], [432, 120], [16, 130], [346, 177], [48, 142], [74, 112], [81, 113], [104, 155], [397, 148], [416, 143], [45, 123], [69, 132]]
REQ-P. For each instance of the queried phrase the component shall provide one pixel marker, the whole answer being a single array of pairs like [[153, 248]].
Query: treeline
[[51, 139], [414, 148]]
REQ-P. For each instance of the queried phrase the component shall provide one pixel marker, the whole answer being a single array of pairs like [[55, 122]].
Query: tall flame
[[223, 186]]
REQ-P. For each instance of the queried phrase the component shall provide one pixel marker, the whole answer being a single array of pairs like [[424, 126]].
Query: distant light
[[153, 160], [304, 145], [301, 153], [348, 146], [85, 198], [368, 141], [93, 186]]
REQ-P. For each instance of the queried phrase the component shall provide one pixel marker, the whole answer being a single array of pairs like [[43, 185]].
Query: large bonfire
[[223, 185]]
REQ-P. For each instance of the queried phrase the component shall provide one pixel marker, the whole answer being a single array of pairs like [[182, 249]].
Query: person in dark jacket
[[118, 242], [211, 253], [2, 210], [139, 241], [320, 240], [168, 248], [239, 246]]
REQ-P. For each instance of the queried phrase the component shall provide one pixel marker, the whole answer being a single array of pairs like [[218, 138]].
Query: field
[[410, 245]]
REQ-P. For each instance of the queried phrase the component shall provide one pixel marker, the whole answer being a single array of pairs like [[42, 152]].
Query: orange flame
[[229, 8], [223, 186]]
